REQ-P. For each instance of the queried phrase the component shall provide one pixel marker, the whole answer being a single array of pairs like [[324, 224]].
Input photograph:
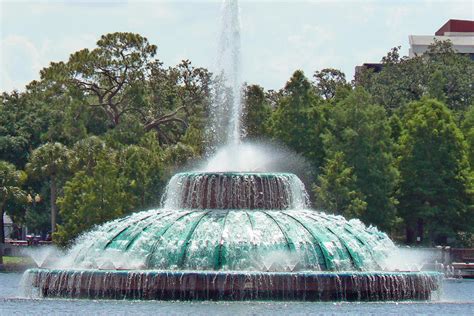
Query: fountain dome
[[234, 221]]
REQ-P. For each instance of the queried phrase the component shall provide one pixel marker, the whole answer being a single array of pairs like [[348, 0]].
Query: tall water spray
[[227, 107]]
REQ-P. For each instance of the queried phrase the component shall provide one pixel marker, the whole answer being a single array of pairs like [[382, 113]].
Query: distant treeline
[[98, 136]]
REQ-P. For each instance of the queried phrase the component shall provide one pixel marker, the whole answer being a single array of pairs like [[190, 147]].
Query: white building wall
[[462, 44]]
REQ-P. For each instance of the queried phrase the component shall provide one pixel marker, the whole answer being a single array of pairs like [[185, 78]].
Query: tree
[[400, 81], [11, 181], [92, 200], [179, 155], [256, 112], [49, 161], [24, 122], [195, 138], [450, 75], [87, 152], [299, 119], [468, 129], [105, 74], [436, 190], [108, 182], [336, 190], [360, 130], [440, 72], [144, 173], [436, 85], [13, 138], [328, 81], [173, 97], [122, 79]]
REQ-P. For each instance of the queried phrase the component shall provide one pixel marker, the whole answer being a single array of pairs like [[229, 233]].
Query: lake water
[[457, 298]]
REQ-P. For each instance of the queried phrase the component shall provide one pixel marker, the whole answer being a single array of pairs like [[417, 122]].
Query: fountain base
[[234, 285]]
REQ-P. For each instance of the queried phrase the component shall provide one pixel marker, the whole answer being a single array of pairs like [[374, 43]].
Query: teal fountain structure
[[232, 236]]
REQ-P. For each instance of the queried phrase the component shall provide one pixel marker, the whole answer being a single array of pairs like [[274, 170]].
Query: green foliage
[[13, 136], [144, 172], [105, 74], [173, 98], [92, 200], [120, 82], [360, 130], [468, 129], [336, 190], [115, 121], [451, 74], [129, 132], [179, 155], [439, 73], [86, 153], [194, 138], [256, 112], [436, 85], [400, 81], [48, 160], [11, 181], [11, 193], [36, 217], [298, 120], [435, 187], [329, 82], [109, 182], [24, 122]]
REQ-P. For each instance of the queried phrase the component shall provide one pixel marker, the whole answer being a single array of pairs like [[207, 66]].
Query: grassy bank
[[17, 264]]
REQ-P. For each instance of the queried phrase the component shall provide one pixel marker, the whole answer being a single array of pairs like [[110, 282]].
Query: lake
[[456, 298]]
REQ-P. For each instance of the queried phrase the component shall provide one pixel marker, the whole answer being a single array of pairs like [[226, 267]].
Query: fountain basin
[[233, 285]]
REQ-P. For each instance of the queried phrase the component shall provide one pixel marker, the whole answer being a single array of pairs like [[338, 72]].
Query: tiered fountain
[[233, 236], [227, 234]]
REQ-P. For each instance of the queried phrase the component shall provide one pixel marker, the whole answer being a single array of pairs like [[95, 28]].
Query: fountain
[[232, 236], [228, 232]]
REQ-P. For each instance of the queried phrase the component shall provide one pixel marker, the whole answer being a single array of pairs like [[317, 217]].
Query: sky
[[278, 37]]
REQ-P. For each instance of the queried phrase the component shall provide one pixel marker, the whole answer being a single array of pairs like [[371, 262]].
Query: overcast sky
[[277, 37]]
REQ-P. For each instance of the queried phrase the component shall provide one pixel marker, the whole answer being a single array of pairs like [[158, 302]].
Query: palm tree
[[10, 190], [49, 161]]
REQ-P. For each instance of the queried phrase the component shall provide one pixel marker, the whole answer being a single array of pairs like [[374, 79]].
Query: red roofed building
[[459, 32]]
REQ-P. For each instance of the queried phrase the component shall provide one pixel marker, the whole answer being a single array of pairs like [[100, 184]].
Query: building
[[459, 32], [7, 225], [375, 67]]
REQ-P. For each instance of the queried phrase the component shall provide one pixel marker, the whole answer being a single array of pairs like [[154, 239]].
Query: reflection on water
[[457, 298]]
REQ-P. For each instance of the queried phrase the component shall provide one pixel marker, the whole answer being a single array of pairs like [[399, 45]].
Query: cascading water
[[271, 191], [228, 232]]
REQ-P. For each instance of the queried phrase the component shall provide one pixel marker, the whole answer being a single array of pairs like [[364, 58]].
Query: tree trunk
[[420, 230], [2, 230], [410, 233], [53, 204], [2, 236]]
